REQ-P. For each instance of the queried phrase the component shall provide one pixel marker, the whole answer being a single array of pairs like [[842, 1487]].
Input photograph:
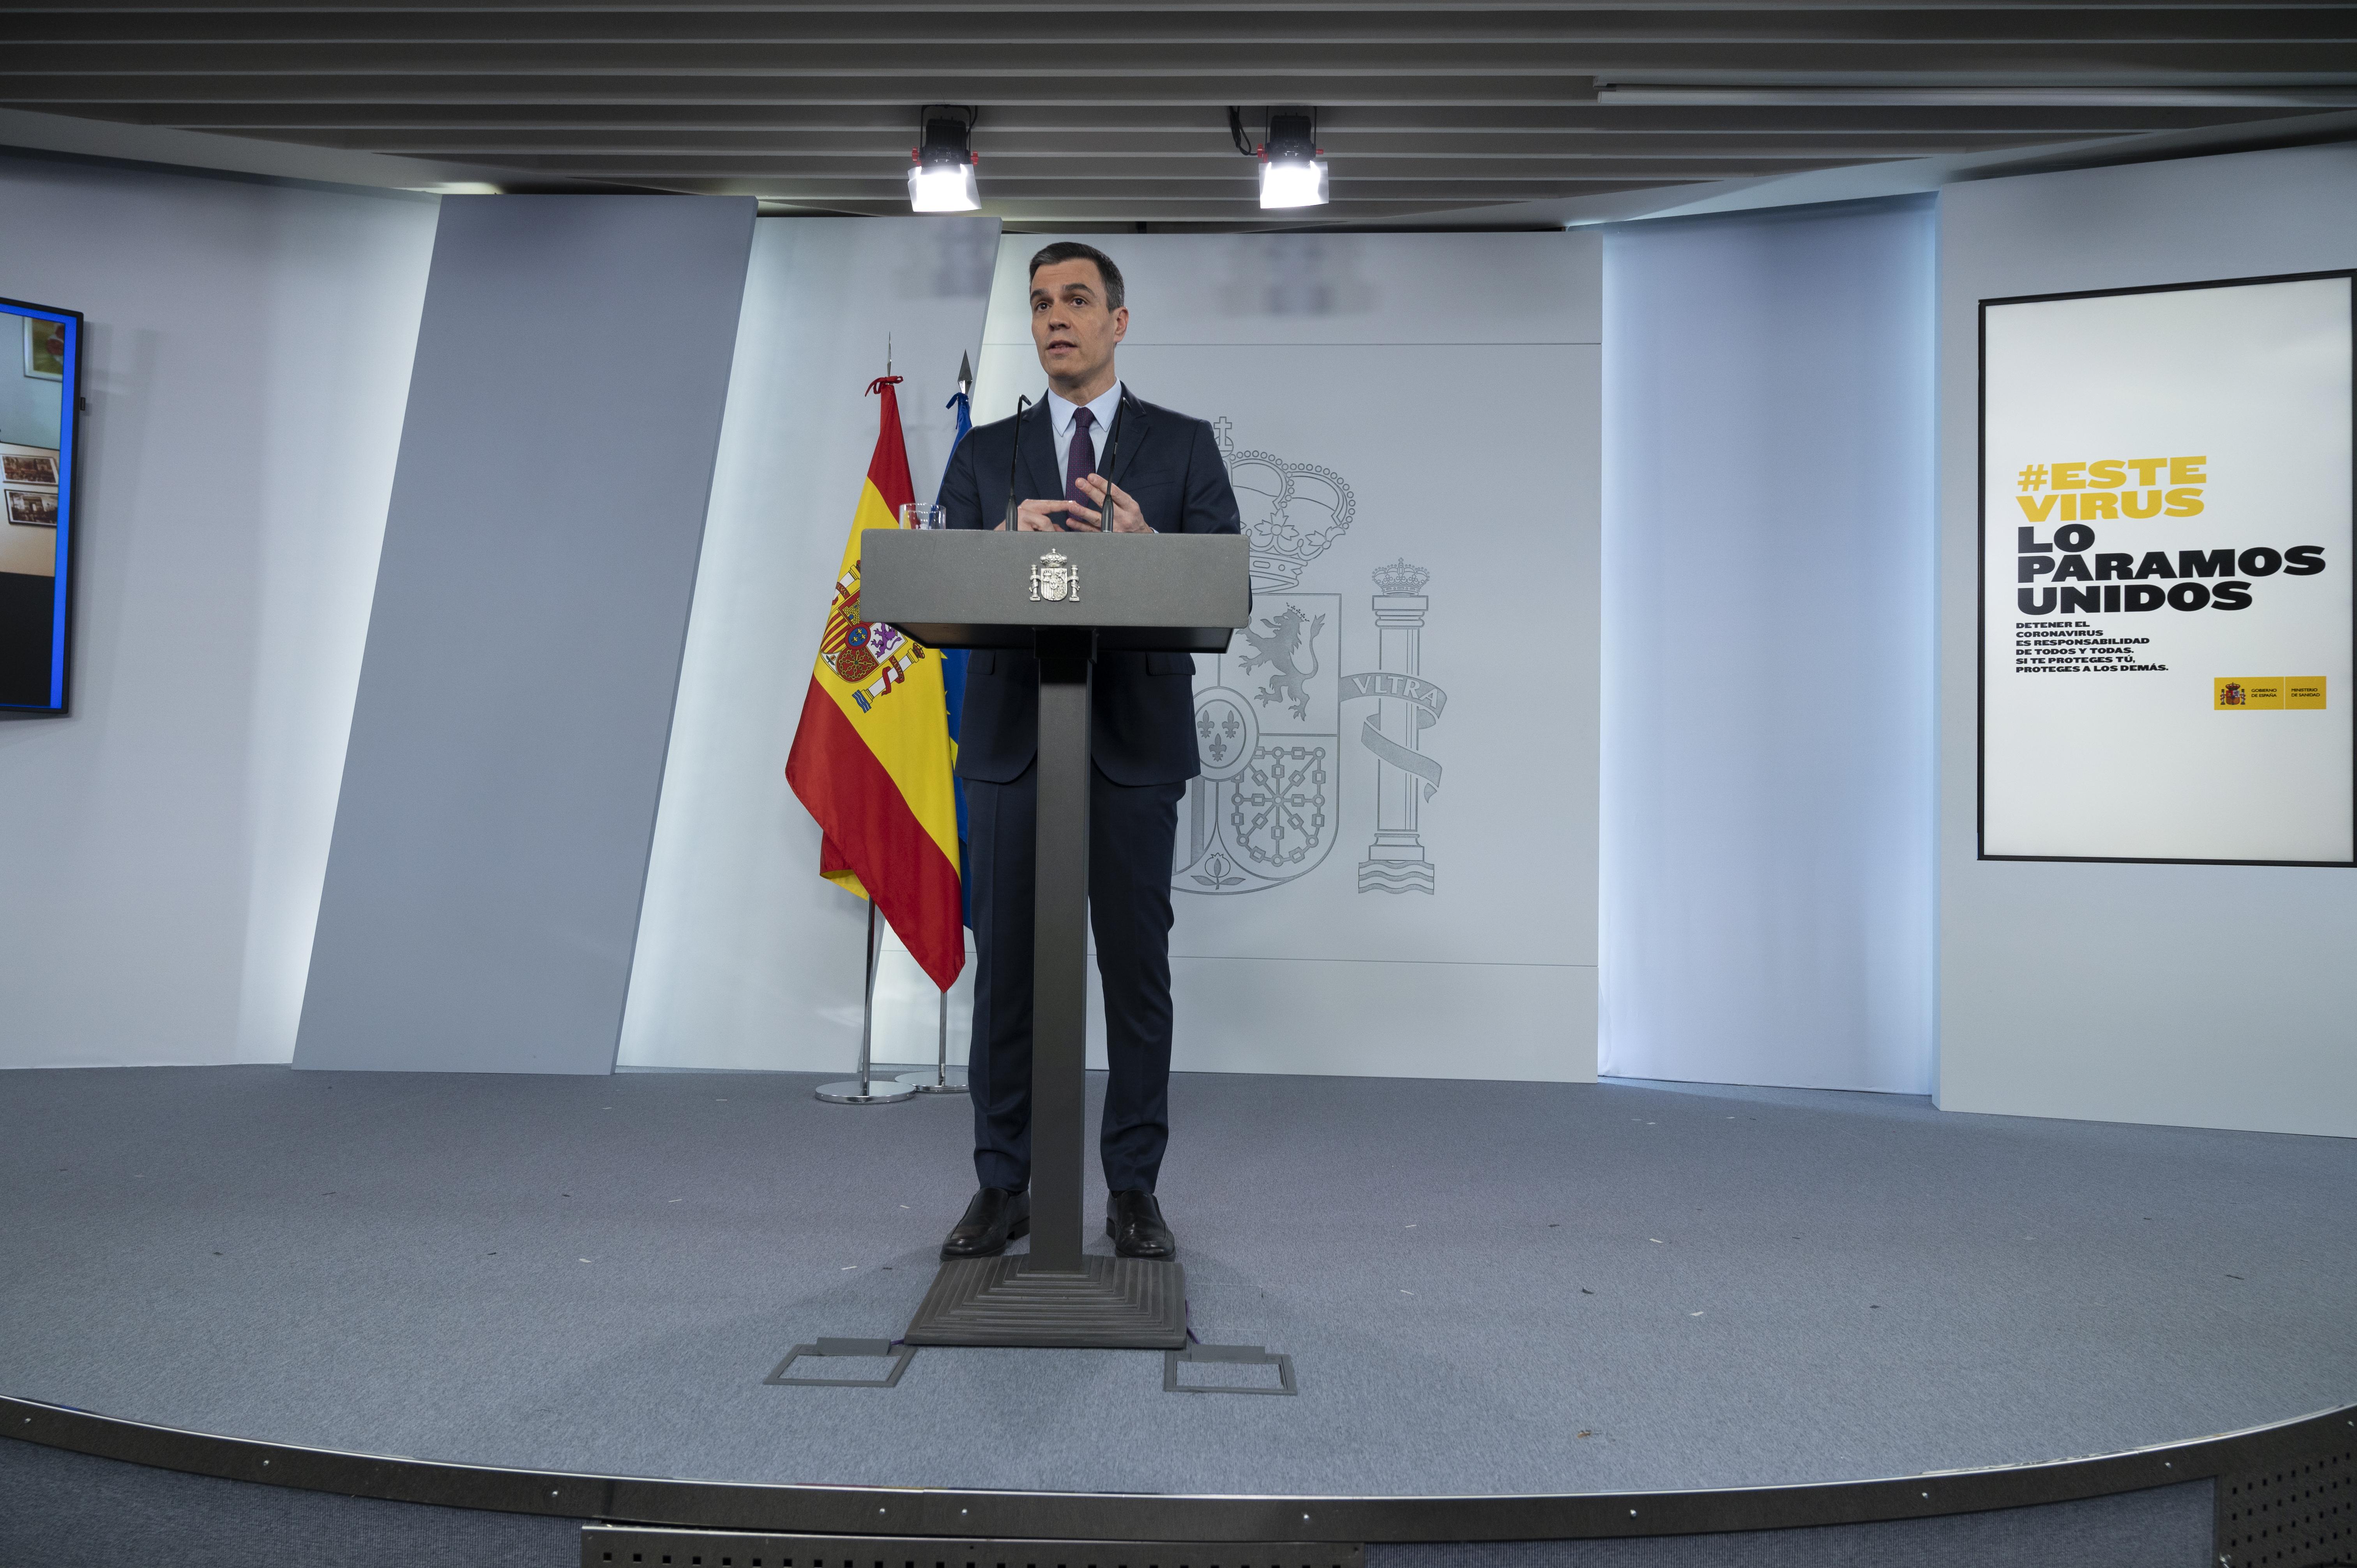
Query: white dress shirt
[[1100, 412]]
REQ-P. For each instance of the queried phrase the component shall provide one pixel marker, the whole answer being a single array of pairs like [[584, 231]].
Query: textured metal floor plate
[[644, 1546], [813, 1357], [1115, 1304], [1239, 1362]]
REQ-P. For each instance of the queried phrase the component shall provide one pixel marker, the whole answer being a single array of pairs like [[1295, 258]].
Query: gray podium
[[1067, 596]]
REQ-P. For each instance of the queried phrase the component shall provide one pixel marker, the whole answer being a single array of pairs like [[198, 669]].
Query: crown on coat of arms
[[1401, 581], [1292, 511]]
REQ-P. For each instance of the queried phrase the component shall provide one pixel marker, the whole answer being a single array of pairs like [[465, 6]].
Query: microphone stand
[[1113, 456], [1013, 452]]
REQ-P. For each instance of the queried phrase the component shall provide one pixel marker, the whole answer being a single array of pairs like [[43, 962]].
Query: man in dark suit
[[1089, 458]]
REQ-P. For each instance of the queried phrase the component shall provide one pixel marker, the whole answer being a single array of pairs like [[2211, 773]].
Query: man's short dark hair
[[1073, 251]]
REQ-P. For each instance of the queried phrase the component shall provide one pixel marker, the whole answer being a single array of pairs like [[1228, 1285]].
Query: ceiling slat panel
[[1439, 121], [1122, 150], [1240, 25], [881, 88], [2308, 60], [1093, 114]]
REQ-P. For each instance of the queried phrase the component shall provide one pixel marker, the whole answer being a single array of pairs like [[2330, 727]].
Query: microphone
[[1014, 451], [1113, 453]]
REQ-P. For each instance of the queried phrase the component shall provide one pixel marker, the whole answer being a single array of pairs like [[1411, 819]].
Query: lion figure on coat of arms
[[1285, 648]]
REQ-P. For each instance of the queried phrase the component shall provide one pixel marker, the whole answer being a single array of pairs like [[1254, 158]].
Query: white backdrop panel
[[1512, 1022], [247, 361], [1768, 683], [1419, 401], [745, 957], [1323, 355]]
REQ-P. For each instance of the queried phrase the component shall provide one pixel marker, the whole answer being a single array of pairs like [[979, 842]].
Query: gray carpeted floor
[[1485, 1287]]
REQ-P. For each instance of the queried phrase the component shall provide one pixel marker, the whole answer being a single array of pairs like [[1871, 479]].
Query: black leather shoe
[[1134, 1220], [995, 1218]]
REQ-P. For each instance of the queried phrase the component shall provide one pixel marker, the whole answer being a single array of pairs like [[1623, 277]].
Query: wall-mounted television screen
[[40, 386]]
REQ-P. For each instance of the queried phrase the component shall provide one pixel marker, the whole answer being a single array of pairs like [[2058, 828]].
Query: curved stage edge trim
[[2255, 1465]]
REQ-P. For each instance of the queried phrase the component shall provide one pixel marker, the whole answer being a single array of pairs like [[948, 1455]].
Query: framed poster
[[2166, 628]]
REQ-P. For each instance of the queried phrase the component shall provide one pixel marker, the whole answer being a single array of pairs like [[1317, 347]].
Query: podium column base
[[1114, 1303]]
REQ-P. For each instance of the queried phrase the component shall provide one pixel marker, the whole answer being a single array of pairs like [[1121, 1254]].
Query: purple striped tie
[[1081, 461]]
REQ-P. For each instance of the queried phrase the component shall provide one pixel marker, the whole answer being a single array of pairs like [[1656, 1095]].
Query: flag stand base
[[944, 1078], [875, 1091], [866, 1088]]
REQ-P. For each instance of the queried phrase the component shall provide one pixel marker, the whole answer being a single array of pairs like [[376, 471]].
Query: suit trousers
[[1131, 831]]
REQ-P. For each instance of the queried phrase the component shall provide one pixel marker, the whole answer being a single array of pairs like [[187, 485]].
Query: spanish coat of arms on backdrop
[[1269, 712]]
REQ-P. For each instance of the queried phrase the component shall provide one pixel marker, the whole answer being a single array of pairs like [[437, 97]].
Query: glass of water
[[923, 514]]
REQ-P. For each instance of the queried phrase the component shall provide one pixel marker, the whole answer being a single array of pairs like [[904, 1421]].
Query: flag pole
[[863, 1089], [944, 1078]]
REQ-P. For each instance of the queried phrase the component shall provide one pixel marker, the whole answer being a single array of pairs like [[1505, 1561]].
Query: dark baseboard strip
[[2235, 1459], [633, 1545]]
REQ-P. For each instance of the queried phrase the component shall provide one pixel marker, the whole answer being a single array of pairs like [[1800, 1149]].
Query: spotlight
[[1291, 172], [940, 172]]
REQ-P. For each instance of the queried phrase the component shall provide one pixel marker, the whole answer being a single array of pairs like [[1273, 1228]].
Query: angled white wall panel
[[482, 895], [745, 959]]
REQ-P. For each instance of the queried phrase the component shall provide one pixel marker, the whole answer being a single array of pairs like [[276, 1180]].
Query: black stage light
[[940, 171], [1292, 169]]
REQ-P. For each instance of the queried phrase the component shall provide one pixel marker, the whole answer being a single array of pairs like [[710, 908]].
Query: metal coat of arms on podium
[[1053, 577]]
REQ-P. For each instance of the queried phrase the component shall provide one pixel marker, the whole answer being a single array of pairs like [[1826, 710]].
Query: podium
[[1068, 597]]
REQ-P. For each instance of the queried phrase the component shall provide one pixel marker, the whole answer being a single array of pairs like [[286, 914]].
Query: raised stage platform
[[1535, 1300]]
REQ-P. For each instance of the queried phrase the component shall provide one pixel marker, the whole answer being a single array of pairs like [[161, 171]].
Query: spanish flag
[[872, 758]]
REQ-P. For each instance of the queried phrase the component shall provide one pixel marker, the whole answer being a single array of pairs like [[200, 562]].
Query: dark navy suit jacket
[[1142, 707]]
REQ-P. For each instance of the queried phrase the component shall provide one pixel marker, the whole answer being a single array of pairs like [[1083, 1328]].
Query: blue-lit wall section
[[1768, 680]]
